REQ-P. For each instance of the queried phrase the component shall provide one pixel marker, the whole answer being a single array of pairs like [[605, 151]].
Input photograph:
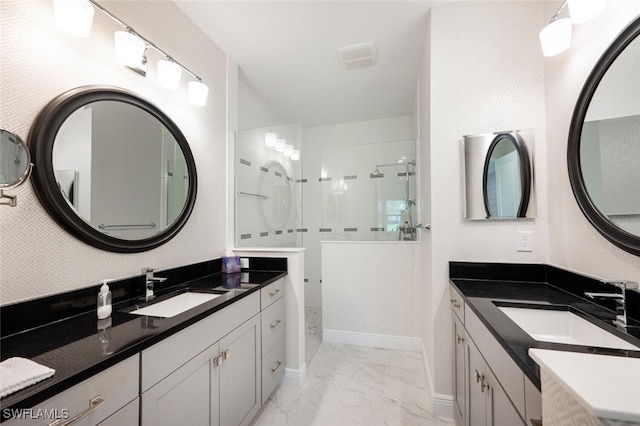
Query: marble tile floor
[[313, 331], [353, 385]]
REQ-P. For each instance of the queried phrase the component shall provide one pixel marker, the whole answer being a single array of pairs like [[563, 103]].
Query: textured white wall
[[574, 243], [486, 75], [40, 61]]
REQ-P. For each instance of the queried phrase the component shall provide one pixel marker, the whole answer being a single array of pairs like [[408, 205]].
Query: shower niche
[[369, 192]]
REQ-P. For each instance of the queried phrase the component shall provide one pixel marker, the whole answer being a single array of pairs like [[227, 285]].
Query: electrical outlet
[[525, 241], [244, 262]]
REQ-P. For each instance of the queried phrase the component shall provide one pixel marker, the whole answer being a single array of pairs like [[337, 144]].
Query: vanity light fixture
[[76, 17], [280, 144], [270, 139], [169, 73], [556, 36], [73, 16]]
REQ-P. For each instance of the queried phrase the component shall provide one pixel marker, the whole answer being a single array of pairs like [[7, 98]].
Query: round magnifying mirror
[[506, 178], [15, 161]]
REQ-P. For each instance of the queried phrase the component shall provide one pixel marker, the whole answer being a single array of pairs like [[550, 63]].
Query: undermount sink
[[175, 305], [563, 327]]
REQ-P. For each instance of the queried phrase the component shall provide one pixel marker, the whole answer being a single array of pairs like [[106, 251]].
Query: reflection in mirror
[[15, 162], [498, 176], [275, 187], [604, 150], [103, 148], [112, 169]]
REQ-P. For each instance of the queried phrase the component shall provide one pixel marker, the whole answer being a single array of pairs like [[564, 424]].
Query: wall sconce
[[288, 150], [295, 154], [280, 144], [556, 36], [76, 17]]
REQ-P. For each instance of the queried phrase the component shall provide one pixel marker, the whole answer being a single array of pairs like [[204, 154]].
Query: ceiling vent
[[356, 56]]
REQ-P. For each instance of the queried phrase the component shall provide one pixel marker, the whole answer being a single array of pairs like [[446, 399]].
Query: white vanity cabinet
[[489, 387], [273, 336], [208, 373], [107, 398]]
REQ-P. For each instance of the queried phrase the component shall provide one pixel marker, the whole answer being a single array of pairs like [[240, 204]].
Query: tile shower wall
[[267, 190], [317, 140], [41, 61]]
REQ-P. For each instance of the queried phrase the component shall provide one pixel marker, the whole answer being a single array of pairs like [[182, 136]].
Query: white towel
[[18, 373]]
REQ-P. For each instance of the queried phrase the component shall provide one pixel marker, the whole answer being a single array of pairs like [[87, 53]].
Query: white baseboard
[[293, 377], [442, 405], [402, 343]]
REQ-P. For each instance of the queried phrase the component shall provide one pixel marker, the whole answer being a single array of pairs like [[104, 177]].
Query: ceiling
[[287, 53]]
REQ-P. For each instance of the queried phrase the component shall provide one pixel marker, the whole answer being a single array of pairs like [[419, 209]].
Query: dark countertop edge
[[533, 375], [65, 383]]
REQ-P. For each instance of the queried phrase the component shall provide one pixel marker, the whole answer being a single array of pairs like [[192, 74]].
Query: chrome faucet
[[620, 295], [149, 281]]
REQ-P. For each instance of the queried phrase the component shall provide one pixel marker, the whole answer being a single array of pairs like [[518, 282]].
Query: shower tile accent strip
[[325, 229], [302, 230], [245, 236], [278, 174], [264, 234], [289, 231], [350, 229], [289, 178], [301, 181], [278, 232], [324, 179], [403, 174], [376, 175], [245, 162], [351, 177], [377, 229], [264, 169]]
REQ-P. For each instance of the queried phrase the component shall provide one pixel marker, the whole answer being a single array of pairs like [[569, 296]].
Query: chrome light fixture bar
[[130, 46]]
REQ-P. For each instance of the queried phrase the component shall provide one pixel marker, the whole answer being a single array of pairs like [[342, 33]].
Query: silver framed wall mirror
[[15, 164], [498, 176], [603, 151], [112, 169]]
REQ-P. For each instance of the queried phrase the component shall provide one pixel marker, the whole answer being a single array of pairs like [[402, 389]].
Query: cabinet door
[[477, 413], [185, 396], [240, 374], [459, 373], [500, 410]]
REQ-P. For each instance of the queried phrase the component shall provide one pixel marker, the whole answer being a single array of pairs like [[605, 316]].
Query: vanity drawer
[[273, 366], [457, 302], [116, 386], [271, 293], [273, 325]]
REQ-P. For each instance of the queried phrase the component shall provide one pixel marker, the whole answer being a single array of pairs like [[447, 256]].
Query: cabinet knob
[[460, 339], [275, 367], [217, 360], [225, 354], [455, 303], [484, 386], [274, 292], [479, 376], [275, 324]]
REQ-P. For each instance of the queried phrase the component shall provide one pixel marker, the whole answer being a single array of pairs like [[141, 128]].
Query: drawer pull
[[484, 386], [274, 292], [479, 377], [460, 338], [93, 405], [275, 324], [225, 354], [217, 361], [276, 366], [455, 303]]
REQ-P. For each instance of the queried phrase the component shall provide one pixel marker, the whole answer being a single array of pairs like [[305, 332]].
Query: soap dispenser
[[104, 301]]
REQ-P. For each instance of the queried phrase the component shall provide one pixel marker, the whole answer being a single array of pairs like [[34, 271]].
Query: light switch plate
[[525, 241]]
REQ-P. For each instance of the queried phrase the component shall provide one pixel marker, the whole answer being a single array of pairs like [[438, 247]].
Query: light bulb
[[74, 16], [288, 150], [198, 92], [556, 37], [129, 48], [169, 74], [295, 154], [280, 144]]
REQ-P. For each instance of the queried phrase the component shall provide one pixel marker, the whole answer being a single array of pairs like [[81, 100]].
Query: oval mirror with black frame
[[112, 169], [506, 178], [15, 161], [603, 152]]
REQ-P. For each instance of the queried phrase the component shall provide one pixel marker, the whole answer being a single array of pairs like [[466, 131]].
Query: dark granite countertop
[[80, 346], [537, 286]]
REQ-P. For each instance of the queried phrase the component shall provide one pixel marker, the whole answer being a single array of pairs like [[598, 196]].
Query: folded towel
[[18, 373]]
